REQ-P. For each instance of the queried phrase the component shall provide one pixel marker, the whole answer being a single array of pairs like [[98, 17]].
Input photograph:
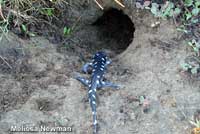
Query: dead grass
[[15, 13]]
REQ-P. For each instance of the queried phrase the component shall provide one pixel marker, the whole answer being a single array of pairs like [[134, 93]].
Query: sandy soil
[[37, 85]]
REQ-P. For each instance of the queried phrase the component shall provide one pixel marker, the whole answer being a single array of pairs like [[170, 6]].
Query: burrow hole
[[115, 30]]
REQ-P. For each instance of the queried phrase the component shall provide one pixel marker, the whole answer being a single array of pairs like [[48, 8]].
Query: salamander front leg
[[86, 67]]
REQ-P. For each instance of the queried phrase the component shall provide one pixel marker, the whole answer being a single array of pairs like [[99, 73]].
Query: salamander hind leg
[[83, 81], [104, 84]]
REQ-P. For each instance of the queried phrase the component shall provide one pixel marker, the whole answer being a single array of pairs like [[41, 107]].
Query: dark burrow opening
[[112, 32], [115, 30]]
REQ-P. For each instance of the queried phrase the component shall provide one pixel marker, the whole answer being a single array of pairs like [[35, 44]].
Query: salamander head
[[100, 56]]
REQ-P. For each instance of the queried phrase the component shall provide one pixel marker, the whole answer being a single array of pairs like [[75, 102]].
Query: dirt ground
[[37, 85]]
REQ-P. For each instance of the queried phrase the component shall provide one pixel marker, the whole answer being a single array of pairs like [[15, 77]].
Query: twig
[[6, 62], [184, 6], [1, 14], [175, 22], [119, 3], [24, 16], [76, 22], [99, 4]]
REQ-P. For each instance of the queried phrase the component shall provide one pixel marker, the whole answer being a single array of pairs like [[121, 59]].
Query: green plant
[[168, 10], [25, 31], [196, 124], [195, 45], [66, 31], [48, 11], [192, 63], [185, 12]]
